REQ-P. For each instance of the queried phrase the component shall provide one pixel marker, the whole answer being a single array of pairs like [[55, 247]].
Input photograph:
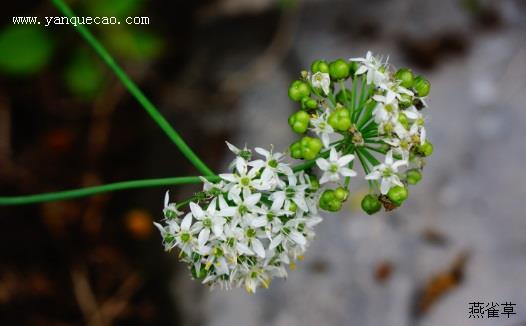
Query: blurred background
[[219, 70]]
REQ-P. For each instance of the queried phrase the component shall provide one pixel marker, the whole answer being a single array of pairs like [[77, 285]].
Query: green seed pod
[[398, 194], [405, 76], [371, 204], [421, 86], [340, 119], [339, 69], [319, 66], [298, 90], [334, 205], [299, 122], [426, 149], [341, 194], [310, 147], [414, 176], [295, 150], [308, 103]]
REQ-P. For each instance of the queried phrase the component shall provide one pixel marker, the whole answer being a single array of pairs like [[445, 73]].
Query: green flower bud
[[426, 149], [405, 76], [340, 97], [341, 194], [308, 103], [402, 118], [298, 90], [371, 204], [299, 122], [319, 66], [414, 176], [398, 194], [421, 86], [340, 119], [339, 69]]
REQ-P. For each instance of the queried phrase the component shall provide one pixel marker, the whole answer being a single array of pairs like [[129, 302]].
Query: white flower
[[374, 69], [170, 209], [292, 193], [387, 171], [386, 107], [243, 179], [322, 128], [321, 80], [335, 167], [272, 166], [209, 220]]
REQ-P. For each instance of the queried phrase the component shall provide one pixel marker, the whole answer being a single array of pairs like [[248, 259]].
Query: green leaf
[[24, 49], [84, 76]]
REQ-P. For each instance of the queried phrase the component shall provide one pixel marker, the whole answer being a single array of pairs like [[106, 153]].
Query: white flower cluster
[[400, 123], [258, 220]]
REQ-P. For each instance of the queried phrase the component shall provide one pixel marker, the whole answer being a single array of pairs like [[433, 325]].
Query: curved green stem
[[83, 192], [136, 92]]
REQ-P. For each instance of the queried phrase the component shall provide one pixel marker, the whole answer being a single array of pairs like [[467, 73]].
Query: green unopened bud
[[397, 195], [299, 122], [414, 176], [319, 66], [371, 204], [339, 69], [340, 119], [405, 76], [426, 149], [308, 103], [298, 90], [421, 86], [341, 194], [402, 118]]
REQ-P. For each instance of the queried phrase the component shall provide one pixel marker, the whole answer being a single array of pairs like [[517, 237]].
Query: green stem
[[136, 92], [83, 192]]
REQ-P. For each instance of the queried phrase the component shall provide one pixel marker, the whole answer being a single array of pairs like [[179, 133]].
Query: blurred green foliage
[[113, 8], [84, 75], [24, 49], [27, 49]]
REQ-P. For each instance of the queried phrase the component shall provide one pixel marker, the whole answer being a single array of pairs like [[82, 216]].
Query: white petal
[[253, 199], [203, 236], [259, 221], [333, 156], [323, 164], [385, 186], [187, 221], [298, 238], [196, 211], [375, 175], [232, 148], [344, 160], [347, 172], [276, 241], [258, 248], [166, 198]]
